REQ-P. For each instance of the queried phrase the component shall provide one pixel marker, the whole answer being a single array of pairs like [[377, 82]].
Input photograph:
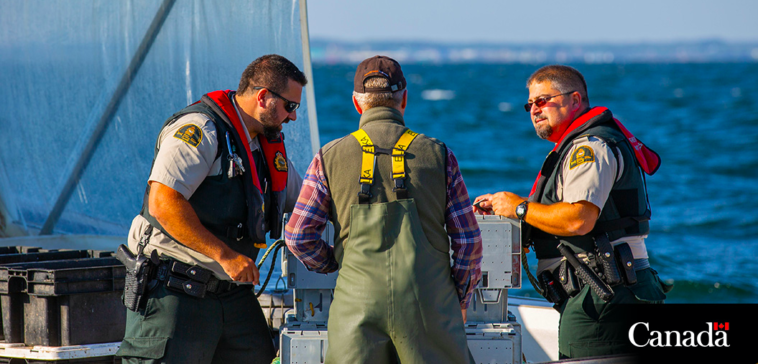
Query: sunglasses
[[289, 106], [542, 100]]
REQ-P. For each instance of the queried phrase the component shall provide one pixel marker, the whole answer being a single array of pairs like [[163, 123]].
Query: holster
[[554, 292], [606, 261], [586, 274], [602, 269], [614, 265], [568, 279], [625, 261], [139, 269]]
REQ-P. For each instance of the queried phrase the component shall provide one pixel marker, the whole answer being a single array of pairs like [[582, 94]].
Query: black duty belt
[[568, 279], [192, 280]]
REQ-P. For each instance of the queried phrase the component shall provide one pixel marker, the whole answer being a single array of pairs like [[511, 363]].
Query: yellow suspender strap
[[398, 153], [367, 164]]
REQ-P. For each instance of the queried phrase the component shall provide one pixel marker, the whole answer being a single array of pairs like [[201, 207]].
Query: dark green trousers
[[591, 327], [177, 328]]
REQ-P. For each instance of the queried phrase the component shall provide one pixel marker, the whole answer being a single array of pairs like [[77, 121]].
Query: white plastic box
[[303, 346], [495, 343], [501, 253]]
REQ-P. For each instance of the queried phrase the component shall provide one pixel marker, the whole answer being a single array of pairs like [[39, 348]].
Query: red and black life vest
[[240, 210], [626, 211]]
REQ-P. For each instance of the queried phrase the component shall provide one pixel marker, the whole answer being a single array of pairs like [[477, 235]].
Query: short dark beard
[[270, 129], [271, 133]]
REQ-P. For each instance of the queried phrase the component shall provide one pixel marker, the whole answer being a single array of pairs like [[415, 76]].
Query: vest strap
[[368, 163], [621, 223], [398, 163]]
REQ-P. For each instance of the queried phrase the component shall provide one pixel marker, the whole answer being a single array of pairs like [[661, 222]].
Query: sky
[[546, 21]]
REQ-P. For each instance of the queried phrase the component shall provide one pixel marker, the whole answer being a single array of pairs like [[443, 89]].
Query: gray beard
[[544, 132]]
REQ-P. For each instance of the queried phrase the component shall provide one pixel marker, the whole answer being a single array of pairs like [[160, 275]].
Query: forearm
[[309, 218], [316, 255], [563, 219], [178, 219], [464, 233], [303, 237], [466, 244], [466, 279], [560, 218]]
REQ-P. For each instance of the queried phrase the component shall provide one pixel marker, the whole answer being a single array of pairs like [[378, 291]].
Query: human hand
[[241, 268], [504, 203], [482, 205], [463, 312]]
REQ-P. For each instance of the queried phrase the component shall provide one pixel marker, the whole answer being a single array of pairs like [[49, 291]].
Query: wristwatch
[[521, 210]]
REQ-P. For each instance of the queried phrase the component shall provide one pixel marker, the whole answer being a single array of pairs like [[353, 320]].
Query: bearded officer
[[590, 194], [220, 181]]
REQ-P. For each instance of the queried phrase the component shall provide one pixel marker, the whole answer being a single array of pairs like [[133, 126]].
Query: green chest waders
[[395, 297]]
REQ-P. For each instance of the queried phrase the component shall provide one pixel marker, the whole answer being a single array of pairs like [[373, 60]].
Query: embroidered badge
[[581, 155], [190, 134], [280, 163]]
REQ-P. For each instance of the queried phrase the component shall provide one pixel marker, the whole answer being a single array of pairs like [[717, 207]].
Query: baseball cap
[[379, 66]]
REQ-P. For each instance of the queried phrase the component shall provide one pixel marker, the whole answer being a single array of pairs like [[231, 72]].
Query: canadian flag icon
[[721, 326]]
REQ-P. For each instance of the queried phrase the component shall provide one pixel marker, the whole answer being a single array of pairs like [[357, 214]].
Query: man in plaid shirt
[[397, 213]]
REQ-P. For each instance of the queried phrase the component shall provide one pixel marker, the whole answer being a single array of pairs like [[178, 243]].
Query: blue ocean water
[[701, 118]]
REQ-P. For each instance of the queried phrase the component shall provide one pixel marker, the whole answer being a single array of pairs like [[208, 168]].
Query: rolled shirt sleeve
[[309, 217], [464, 233], [187, 154], [588, 173]]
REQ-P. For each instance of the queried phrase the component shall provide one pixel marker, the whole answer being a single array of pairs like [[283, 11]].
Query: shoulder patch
[[280, 163], [583, 154], [190, 134]]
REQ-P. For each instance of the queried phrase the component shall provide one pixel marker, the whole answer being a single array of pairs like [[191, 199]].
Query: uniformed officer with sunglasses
[[220, 181], [589, 202]]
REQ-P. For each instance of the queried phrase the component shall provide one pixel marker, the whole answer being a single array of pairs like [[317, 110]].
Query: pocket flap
[[143, 347], [648, 287]]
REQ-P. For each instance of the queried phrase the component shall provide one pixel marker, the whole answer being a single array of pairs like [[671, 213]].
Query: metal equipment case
[[495, 343], [303, 337], [501, 269]]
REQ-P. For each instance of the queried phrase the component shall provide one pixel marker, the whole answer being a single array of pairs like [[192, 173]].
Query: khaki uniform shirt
[[183, 166], [588, 174]]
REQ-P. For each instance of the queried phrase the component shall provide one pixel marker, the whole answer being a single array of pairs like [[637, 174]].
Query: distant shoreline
[[707, 51]]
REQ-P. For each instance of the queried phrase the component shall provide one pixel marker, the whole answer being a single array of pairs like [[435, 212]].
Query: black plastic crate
[[14, 285], [66, 277], [14, 267], [13, 316], [63, 302], [39, 256], [75, 319], [96, 360], [18, 249]]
